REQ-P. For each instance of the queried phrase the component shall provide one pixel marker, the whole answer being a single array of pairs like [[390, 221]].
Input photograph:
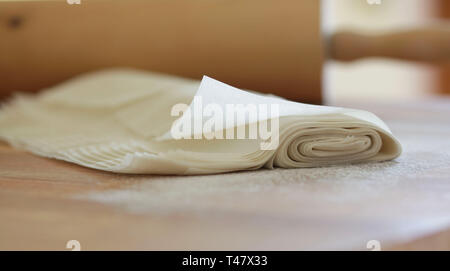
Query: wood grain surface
[[253, 44], [404, 204]]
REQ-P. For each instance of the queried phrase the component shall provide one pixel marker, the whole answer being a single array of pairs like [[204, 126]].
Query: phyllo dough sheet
[[130, 121]]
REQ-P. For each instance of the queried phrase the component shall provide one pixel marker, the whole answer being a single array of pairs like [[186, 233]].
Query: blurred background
[[380, 79], [252, 44]]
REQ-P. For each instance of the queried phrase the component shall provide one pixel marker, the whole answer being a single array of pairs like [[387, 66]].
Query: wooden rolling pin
[[252, 44], [428, 44]]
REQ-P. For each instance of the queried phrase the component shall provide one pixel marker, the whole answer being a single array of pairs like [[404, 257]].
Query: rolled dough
[[120, 120]]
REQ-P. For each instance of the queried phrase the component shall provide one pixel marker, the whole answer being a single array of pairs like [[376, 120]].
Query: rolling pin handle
[[430, 45]]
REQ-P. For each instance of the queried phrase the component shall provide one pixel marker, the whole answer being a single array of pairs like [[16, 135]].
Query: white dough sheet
[[127, 121]]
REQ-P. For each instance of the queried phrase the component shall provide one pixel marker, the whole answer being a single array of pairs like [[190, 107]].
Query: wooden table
[[404, 204]]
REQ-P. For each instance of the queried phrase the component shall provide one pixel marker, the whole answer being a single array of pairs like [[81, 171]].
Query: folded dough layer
[[120, 120]]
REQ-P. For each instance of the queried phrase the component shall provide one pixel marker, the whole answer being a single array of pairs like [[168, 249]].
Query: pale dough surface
[[119, 120]]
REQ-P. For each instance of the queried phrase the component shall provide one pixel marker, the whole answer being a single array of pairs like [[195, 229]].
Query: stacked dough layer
[[120, 121]]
